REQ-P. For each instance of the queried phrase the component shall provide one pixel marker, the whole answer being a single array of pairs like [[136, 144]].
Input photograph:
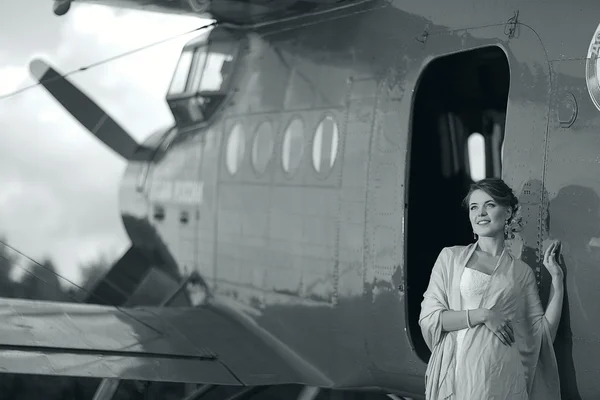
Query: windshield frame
[[196, 70]]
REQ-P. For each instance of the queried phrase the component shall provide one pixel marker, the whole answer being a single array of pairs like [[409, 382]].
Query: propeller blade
[[61, 7], [86, 111]]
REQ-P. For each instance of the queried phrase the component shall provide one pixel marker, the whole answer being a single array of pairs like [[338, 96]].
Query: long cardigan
[[489, 370]]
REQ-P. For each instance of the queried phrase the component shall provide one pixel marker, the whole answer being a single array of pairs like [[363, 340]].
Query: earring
[[506, 232], [474, 236]]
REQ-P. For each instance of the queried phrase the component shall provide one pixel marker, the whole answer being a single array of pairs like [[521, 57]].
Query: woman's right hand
[[500, 326]]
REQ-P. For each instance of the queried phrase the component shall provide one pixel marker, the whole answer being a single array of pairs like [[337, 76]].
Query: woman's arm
[[457, 320], [555, 300], [493, 320]]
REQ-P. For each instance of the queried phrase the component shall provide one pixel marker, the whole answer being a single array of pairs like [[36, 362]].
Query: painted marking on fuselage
[[182, 192]]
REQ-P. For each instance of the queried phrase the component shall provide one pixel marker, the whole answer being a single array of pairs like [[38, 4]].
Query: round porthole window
[[293, 146], [235, 148], [262, 149], [325, 146]]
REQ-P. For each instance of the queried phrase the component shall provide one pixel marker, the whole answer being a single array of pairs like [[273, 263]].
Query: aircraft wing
[[202, 345], [186, 7], [242, 12]]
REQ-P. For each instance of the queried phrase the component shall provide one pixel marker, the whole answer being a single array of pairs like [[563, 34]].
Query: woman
[[481, 315]]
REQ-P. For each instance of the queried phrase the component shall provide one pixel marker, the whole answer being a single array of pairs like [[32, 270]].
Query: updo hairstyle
[[503, 195]]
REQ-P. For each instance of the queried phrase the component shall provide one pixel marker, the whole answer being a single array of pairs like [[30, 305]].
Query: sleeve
[[435, 301], [535, 344]]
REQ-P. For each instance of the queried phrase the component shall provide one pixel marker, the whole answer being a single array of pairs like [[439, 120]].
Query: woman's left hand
[[550, 261]]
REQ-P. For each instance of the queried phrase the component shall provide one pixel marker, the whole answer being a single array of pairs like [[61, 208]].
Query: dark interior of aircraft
[[460, 98]]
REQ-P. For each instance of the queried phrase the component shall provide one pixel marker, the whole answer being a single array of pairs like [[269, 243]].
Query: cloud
[[60, 184]]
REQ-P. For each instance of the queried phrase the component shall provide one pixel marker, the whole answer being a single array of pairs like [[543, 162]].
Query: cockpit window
[[180, 78], [198, 67], [202, 76], [218, 66], [203, 69]]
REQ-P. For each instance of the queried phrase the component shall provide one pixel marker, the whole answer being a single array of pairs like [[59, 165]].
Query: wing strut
[[201, 391], [248, 392], [109, 386]]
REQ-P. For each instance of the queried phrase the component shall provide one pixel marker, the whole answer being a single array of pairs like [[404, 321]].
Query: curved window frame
[[242, 146], [291, 172], [269, 159], [319, 172]]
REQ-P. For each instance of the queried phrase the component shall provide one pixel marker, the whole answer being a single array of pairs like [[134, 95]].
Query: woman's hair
[[503, 195]]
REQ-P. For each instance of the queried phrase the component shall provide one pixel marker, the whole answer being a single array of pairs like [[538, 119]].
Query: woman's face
[[487, 217]]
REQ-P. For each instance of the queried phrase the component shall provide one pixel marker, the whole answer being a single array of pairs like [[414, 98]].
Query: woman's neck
[[491, 245]]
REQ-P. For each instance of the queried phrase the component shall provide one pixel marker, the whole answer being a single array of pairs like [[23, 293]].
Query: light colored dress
[[484, 367], [473, 285]]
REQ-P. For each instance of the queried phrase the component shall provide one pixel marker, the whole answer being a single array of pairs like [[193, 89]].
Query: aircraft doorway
[[459, 114]]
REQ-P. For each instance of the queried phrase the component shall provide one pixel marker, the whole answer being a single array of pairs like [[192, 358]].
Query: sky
[[59, 196]]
